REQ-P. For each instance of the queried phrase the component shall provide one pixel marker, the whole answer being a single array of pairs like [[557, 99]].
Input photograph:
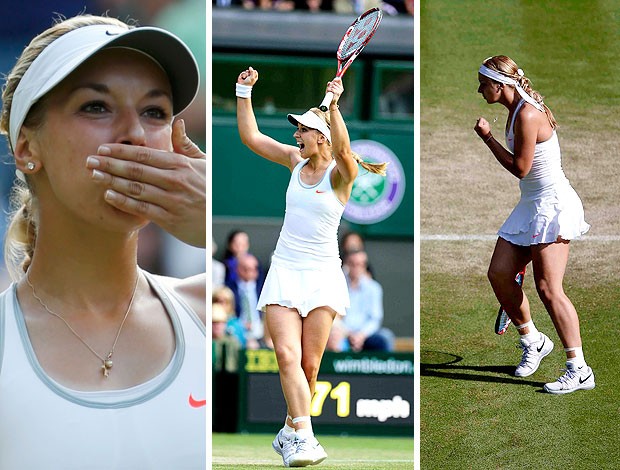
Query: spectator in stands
[[226, 350], [218, 269], [226, 345], [225, 297], [247, 289], [237, 244], [314, 6], [365, 315], [350, 242], [280, 5]]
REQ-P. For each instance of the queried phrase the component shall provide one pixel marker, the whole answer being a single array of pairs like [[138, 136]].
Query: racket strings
[[359, 35]]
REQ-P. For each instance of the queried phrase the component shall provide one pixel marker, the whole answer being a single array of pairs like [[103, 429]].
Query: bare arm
[[527, 128], [253, 138], [346, 167]]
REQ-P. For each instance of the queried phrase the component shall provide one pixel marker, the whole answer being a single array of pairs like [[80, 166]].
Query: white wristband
[[243, 91]]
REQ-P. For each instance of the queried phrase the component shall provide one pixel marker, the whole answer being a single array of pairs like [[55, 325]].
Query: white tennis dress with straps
[[306, 270], [159, 424], [549, 207]]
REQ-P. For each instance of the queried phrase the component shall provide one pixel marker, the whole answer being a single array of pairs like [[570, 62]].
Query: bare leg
[[549, 263], [316, 328], [506, 262], [315, 333], [285, 326]]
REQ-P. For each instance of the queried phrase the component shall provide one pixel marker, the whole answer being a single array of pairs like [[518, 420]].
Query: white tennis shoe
[[284, 446], [307, 452], [533, 353], [575, 378]]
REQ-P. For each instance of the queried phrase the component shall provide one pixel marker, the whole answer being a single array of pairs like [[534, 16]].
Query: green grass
[[473, 413], [252, 451]]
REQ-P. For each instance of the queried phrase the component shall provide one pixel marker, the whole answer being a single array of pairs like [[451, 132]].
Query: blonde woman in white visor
[[305, 287], [101, 364], [548, 215]]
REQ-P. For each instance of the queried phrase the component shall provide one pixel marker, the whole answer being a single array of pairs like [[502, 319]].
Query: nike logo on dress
[[319, 192], [541, 346], [196, 403]]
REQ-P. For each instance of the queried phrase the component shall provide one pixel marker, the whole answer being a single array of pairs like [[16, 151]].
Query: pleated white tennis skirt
[[552, 214], [305, 289]]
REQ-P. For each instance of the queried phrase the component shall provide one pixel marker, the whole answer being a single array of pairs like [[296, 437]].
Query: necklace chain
[[106, 362]]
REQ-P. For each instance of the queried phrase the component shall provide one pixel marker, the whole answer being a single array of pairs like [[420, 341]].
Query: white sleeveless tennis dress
[[306, 270], [155, 425], [549, 207]]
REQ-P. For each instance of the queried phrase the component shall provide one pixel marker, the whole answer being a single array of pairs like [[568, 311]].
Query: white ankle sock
[[578, 360]]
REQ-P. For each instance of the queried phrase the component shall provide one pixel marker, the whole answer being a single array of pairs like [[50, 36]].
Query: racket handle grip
[[326, 101]]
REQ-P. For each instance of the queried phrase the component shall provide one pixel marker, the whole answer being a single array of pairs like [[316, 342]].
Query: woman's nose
[[130, 129]]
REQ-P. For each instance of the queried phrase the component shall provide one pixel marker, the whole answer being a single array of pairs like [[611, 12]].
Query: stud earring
[[30, 166]]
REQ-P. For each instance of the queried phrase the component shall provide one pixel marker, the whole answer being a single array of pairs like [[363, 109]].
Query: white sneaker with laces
[[284, 446], [307, 452], [532, 355], [575, 378]]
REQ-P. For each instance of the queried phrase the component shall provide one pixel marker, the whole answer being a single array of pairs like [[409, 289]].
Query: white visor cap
[[311, 120], [68, 52]]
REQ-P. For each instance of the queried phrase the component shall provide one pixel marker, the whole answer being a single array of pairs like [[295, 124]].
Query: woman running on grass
[[305, 287], [539, 229]]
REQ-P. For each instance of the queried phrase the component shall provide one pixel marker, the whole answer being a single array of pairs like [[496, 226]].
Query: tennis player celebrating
[[101, 363], [548, 215], [305, 287]]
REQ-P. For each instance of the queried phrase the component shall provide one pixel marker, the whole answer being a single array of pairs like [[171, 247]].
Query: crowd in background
[[389, 7], [237, 281]]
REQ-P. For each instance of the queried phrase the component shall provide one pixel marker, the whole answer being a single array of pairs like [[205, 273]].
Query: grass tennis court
[[474, 413], [253, 451]]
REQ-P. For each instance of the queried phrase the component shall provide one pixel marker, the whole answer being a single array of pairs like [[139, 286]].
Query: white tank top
[[309, 235], [546, 172], [160, 424]]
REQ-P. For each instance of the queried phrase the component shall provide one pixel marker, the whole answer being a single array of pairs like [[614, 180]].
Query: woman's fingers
[[168, 188], [182, 144]]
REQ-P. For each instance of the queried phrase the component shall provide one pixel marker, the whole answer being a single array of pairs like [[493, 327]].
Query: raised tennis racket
[[502, 322], [353, 42]]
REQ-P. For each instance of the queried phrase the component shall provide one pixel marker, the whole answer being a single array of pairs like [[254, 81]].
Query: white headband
[[311, 120], [498, 77], [69, 51]]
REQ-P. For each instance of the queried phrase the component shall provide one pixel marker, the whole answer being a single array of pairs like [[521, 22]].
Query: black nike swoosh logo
[[108, 33], [541, 346], [280, 444], [582, 381]]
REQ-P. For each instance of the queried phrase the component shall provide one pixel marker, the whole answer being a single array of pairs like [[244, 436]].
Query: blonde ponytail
[[21, 234], [377, 168]]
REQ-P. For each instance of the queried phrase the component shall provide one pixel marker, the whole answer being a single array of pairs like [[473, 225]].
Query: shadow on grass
[[444, 365]]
